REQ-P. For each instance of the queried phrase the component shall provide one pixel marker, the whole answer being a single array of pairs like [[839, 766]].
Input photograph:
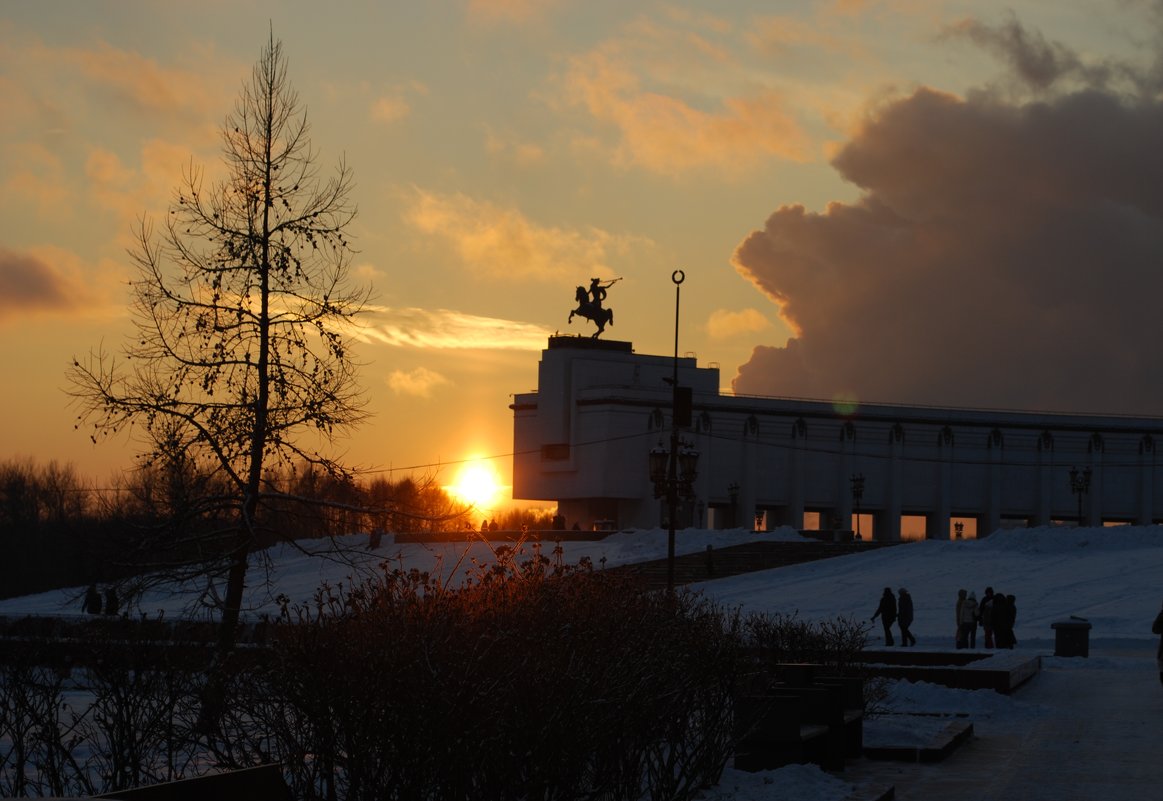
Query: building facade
[[583, 439]]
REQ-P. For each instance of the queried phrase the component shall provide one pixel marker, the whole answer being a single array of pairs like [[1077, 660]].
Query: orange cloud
[[524, 154], [779, 34], [18, 103], [140, 80], [143, 84], [669, 114], [126, 193], [850, 8], [392, 104], [725, 324], [443, 329], [419, 382], [66, 80], [50, 125], [515, 11], [389, 109], [35, 176], [501, 242]]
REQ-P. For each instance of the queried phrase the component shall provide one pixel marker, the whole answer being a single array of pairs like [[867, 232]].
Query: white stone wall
[[583, 438]]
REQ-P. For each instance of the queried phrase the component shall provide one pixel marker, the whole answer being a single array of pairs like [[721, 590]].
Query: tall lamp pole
[[678, 276], [1079, 485], [733, 494], [857, 493], [673, 471]]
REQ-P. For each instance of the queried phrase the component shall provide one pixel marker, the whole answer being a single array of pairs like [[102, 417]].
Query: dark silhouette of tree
[[239, 367], [19, 496]]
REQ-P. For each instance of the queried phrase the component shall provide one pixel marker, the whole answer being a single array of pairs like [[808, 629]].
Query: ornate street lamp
[[733, 494], [857, 480], [659, 459], [688, 463], [673, 471], [1079, 485]]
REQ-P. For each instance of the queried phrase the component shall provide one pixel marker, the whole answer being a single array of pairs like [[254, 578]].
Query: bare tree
[[239, 365]]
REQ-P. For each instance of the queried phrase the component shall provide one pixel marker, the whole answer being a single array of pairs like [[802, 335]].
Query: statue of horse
[[592, 311]]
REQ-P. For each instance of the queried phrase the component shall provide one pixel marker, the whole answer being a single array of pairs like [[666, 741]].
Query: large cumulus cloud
[[1002, 254]]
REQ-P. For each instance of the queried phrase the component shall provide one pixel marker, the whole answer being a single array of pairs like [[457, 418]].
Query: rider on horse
[[589, 304], [598, 290]]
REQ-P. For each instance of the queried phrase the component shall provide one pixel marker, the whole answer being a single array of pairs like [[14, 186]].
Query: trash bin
[[1072, 637]]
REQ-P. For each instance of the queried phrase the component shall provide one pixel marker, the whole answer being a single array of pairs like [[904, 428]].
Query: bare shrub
[[137, 718], [535, 681], [32, 760], [835, 644]]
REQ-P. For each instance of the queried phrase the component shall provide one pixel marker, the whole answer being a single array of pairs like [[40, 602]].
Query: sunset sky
[[895, 200]]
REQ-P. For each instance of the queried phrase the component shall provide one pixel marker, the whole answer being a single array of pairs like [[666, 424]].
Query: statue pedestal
[[580, 342]]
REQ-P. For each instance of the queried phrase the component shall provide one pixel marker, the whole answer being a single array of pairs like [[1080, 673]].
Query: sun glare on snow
[[477, 483]]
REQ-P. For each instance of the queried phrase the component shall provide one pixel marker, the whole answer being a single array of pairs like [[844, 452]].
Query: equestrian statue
[[589, 304]]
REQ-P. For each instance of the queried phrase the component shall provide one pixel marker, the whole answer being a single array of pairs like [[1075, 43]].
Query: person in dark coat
[[886, 611], [1011, 620], [92, 605], [997, 614], [905, 617], [959, 631], [1004, 615], [110, 601], [1157, 628], [985, 613]]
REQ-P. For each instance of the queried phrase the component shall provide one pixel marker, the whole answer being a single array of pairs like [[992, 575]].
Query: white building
[[584, 437]]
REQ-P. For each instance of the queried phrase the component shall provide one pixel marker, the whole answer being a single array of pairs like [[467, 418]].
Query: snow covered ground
[[1110, 576]]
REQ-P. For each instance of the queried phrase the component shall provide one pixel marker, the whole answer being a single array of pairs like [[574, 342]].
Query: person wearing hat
[[904, 608]]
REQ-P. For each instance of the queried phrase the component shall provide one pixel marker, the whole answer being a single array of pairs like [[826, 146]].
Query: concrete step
[[931, 738]]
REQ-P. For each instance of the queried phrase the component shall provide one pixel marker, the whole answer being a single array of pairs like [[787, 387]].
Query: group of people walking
[[93, 604], [995, 614], [891, 610]]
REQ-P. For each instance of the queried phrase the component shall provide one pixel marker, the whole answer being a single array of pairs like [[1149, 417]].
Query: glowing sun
[[478, 484]]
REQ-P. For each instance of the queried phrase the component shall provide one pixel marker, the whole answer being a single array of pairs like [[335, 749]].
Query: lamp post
[[857, 480], [733, 494], [673, 471], [1079, 485]]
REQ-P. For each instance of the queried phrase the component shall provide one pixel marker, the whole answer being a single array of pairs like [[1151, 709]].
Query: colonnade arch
[[980, 476]]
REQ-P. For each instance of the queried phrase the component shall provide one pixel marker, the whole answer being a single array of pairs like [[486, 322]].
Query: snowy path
[[1083, 729]]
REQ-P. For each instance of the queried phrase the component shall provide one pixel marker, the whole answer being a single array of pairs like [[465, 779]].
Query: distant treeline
[[59, 530]]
